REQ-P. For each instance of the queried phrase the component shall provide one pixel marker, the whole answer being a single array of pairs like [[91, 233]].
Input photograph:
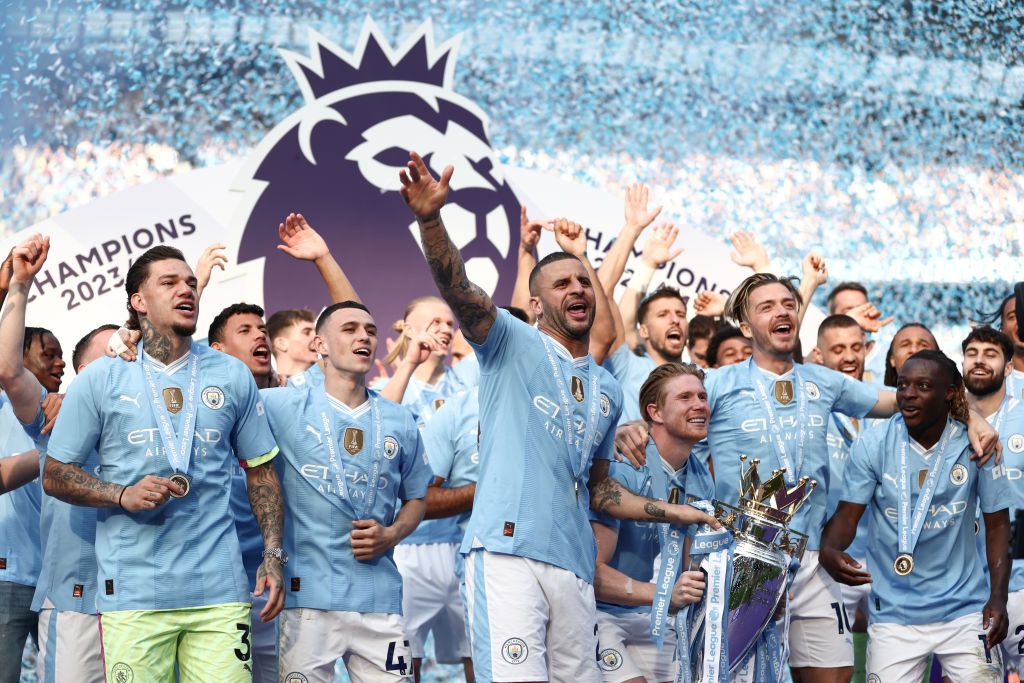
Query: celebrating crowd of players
[[508, 481]]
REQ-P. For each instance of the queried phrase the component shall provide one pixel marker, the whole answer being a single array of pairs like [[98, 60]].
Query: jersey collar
[[356, 412], [560, 349], [171, 368]]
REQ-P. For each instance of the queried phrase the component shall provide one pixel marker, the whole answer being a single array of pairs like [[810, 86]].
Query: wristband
[[123, 489], [641, 279]]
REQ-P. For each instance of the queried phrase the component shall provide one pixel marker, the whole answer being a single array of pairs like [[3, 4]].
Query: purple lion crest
[[336, 161]]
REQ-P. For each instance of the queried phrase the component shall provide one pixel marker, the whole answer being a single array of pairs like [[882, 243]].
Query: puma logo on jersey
[[312, 430], [890, 478], [130, 399]]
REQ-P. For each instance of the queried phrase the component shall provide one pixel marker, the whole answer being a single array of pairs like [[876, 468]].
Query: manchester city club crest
[[213, 398], [173, 399], [390, 447], [1015, 443], [610, 660], [514, 651], [958, 475], [784, 391], [353, 440], [576, 385], [606, 406], [813, 392]]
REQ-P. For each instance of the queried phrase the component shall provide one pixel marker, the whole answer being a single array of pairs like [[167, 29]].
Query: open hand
[[300, 240], [422, 193]]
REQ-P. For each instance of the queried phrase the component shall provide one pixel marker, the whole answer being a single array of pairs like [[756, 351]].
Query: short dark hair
[[216, 333], [543, 263], [845, 287], [662, 292], [700, 327], [989, 335], [736, 306], [327, 312], [83, 344], [518, 313], [890, 372], [33, 333], [721, 335], [282, 320], [839, 321], [139, 271]]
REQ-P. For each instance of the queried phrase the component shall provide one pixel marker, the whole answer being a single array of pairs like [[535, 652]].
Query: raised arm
[[18, 470], [22, 387], [212, 257], [638, 217], [529, 236], [658, 250], [425, 196], [6, 271], [815, 275], [611, 498], [301, 241], [747, 251], [268, 509], [419, 346]]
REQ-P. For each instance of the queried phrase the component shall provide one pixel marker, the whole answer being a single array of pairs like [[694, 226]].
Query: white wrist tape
[[116, 345], [629, 586], [641, 279]]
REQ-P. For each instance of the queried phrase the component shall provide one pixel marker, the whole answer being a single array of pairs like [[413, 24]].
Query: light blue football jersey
[[947, 580], [639, 542], [467, 371], [631, 371], [424, 400], [740, 426], [184, 553], [322, 573], [1009, 422], [532, 498], [842, 432], [68, 538], [452, 442], [20, 546], [312, 376], [250, 536], [1015, 385]]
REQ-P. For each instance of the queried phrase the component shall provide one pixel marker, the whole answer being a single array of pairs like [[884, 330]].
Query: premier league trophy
[[760, 559]]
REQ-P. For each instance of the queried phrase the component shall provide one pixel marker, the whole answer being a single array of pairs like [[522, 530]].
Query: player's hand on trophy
[[50, 407], [529, 231], [842, 567], [638, 216], [212, 257], [685, 515], [148, 493], [749, 252], [658, 249], [370, 539], [29, 257], [868, 317], [995, 621], [300, 240], [711, 304], [571, 237], [688, 590], [631, 443], [424, 195], [124, 344]]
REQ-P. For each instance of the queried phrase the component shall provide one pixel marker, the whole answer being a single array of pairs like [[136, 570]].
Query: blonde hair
[[653, 389], [402, 345], [736, 306]]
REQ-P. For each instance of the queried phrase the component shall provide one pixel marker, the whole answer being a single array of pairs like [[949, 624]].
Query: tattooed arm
[[611, 498], [425, 197], [268, 508], [74, 485]]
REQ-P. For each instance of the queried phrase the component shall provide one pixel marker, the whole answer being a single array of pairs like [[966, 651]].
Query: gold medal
[[353, 440], [784, 391], [903, 565], [183, 481]]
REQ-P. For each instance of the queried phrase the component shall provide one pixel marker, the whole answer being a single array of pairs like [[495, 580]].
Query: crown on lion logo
[[329, 68], [771, 497]]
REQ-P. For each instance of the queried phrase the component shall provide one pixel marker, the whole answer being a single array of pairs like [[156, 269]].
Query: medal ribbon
[[909, 534], [671, 538], [590, 432], [778, 442], [178, 452], [336, 463]]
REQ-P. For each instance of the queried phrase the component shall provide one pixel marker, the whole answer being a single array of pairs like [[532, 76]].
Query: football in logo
[[390, 447], [213, 398], [610, 660], [514, 651], [337, 158], [958, 475]]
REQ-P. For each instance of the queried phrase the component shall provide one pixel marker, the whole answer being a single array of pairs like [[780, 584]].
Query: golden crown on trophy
[[771, 497]]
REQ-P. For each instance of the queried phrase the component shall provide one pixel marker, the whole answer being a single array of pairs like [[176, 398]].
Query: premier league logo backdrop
[[337, 159]]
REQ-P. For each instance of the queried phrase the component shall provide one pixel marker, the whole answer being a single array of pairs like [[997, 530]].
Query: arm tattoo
[[471, 305], [607, 493], [74, 485], [267, 503], [157, 345], [653, 510]]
